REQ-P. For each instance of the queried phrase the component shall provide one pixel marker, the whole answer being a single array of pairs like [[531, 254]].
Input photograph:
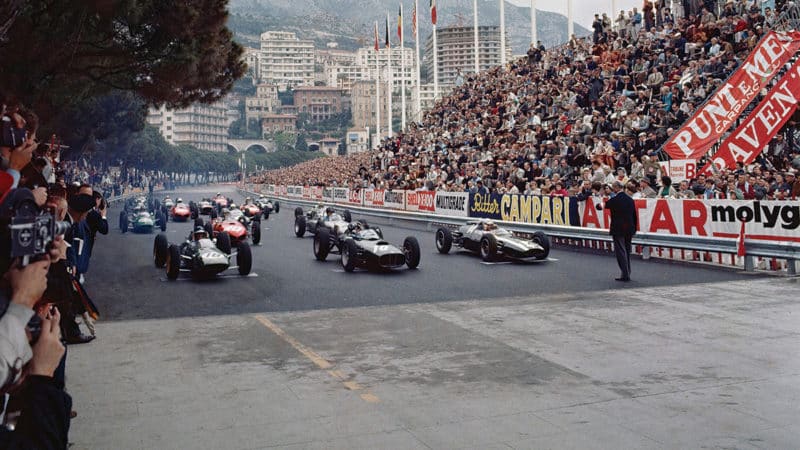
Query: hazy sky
[[583, 10]]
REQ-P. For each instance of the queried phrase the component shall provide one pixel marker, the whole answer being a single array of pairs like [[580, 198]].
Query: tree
[[284, 141], [302, 145], [58, 53]]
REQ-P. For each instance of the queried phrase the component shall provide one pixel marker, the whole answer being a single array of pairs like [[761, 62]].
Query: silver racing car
[[492, 242]]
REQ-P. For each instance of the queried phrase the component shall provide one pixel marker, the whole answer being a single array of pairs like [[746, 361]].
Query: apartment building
[[202, 126], [286, 60], [457, 51]]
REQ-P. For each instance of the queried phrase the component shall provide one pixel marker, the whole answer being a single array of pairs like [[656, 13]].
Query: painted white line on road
[[188, 278], [498, 263]]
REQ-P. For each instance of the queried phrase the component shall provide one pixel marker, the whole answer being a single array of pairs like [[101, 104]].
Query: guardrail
[[645, 242]]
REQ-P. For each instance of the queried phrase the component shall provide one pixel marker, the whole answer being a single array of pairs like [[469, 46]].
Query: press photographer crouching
[[36, 409]]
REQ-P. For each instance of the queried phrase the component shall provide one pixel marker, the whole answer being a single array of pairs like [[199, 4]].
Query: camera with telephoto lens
[[32, 234]]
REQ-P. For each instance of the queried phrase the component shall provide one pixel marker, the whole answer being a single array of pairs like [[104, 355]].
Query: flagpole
[[570, 25], [475, 32], [403, 73], [389, 78], [435, 66], [503, 33], [377, 87], [416, 45], [534, 38]]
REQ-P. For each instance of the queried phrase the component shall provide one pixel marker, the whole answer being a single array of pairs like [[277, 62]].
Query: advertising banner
[[765, 220], [716, 116], [521, 208], [327, 194], [294, 191], [420, 201], [341, 195], [394, 199], [373, 197], [355, 197], [754, 134], [451, 203]]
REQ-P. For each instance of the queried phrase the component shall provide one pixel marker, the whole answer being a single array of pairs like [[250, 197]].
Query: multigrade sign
[[451, 203], [394, 199], [340, 195], [522, 208], [764, 220]]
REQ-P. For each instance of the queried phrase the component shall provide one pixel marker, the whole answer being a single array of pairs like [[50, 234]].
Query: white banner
[[394, 199], [452, 203]]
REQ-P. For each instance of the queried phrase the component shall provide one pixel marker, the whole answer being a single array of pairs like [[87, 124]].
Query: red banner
[[708, 123], [753, 135]]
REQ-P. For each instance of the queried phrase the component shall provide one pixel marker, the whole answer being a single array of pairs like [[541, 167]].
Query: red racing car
[[237, 226], [180, 212]]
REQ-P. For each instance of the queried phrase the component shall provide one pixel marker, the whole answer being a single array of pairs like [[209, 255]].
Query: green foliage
[[284, 141], [60, 53]]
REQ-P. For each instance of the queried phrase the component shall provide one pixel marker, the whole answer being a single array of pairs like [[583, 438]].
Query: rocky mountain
[[350, 23]]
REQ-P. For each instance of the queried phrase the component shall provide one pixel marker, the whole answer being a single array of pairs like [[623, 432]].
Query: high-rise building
[[202, 126], [365, 58], [363, 104], [286, 60], [457, 51]]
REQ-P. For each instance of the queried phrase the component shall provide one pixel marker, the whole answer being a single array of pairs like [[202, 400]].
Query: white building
[[365, 58], [252, 56], [457, 51], [426, 99], [286, 60], [357, 140], [202, 126]]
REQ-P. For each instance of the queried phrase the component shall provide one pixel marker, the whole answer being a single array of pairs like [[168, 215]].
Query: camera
[[31, 235]]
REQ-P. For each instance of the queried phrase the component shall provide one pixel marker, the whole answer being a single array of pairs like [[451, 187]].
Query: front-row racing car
[[200, 256], [311, 220], [236, 224], [268, 206], [492, 242], [180, 212], [361, 246]]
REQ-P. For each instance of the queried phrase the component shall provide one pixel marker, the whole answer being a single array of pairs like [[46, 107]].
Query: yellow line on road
[[318, 360]]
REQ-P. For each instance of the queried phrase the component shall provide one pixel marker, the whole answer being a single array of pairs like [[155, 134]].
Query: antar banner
[[753, 135], [709, 122]]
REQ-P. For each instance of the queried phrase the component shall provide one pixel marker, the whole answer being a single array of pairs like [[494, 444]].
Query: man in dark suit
[[623, 227]]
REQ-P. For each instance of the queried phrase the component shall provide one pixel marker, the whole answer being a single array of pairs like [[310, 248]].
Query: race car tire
[[542, 239], [214, 214], [266, 215], [198, 222], [162, 220], [299, 226], [122, 218], [322, 243], [123, 223], [277, 207], [255, 232], [173, 262], [347, 216], [411, 249], [348, 255], [224, 242], [244, 259], [444, 240], [488, 247], [298, 211], [193, 212], [209, 229], [160, 249]]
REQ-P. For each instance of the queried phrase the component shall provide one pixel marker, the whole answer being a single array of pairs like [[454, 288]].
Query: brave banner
[[708, 123], [749, 140]]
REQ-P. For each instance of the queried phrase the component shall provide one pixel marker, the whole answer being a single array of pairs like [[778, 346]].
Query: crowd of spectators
[[49, 220], [577, 117]]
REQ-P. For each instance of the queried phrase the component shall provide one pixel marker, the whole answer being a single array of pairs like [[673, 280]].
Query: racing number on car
[[380, 248]]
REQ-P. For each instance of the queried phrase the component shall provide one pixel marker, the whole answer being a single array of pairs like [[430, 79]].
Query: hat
[[81, 203]]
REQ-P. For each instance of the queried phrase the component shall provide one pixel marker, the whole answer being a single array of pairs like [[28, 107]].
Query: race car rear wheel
[[266, 214], [255, 232], [224, 242], [298, 211], [543, 241], [276, 207], [488, 247], [299, 226], [347, 216], [123, 223], [160, 249], [444, 240], [322, 243], [349, 255], [198, 222], [173, 262], [162, 221], [244, 259], [213, 214], [209, 229], [411, 249]]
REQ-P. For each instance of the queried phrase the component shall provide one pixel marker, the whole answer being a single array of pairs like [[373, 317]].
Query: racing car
[[180, 212], [492, 242], [166, 204], [361, 246], [202, 208], [141, 221], [201, 256], [268, 206], [236, 225], [309, 221], [220, 201], [252, 210]]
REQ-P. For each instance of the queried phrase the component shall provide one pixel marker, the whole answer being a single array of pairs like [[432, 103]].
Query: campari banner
[[535, 209]]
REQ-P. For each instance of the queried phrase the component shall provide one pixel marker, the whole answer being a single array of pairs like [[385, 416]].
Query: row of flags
[[400, 24]]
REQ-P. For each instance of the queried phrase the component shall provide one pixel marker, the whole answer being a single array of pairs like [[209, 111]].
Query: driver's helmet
[[489, 225], [233, 206], [199, 233], [329, 211], [248, 200], [219, 194], [179, 200]]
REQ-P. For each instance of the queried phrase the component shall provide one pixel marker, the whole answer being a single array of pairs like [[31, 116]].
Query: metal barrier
[[647, 242]]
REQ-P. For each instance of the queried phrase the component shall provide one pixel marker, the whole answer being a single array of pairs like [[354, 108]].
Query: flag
[[414, 21], [400, 23], [388, 44], [433, 12], [376, 36], [740, 250]]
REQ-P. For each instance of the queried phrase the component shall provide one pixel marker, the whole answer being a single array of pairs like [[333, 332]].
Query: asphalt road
[[286, 277]]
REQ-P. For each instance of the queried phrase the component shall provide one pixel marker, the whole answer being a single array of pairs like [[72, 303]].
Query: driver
[[248, 201], [199, 233], [179, 200], [328, 214], [489, 226], [233, 206], [226, 213]]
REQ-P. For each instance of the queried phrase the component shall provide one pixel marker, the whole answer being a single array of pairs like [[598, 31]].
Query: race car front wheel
[[488, 247], [544, 242], [244, 259], [412, 252], [444, 240], [173, 262]]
